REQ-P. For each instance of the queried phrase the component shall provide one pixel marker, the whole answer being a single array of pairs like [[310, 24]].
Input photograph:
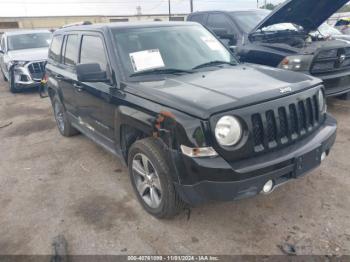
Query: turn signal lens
[[198, 152]]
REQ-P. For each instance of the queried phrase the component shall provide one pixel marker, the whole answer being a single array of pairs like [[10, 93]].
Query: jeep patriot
[[189, 121]]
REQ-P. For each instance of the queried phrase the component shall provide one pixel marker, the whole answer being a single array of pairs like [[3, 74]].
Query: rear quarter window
[[55, 48]]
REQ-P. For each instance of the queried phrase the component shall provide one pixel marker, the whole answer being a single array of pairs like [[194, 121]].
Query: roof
[[231, 11], [22, 32], [124, 25]]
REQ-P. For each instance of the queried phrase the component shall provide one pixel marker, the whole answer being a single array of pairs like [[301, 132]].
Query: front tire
[[64, 126], [3, 76], [150, 177], [12, 84]]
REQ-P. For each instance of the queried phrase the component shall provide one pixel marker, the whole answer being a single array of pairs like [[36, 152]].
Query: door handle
[[78, 87]]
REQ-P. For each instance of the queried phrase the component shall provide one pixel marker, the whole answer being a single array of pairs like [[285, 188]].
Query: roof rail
[[77, 24]]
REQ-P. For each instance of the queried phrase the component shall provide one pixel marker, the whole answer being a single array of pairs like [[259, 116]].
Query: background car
[[343, 25], [281, 38], [22, 58], [326, 31]]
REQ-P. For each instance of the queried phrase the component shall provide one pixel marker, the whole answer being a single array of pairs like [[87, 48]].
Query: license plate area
[[307, 162]]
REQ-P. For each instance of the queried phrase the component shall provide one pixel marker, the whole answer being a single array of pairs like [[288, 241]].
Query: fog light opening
[[268, 187], [323, 156]]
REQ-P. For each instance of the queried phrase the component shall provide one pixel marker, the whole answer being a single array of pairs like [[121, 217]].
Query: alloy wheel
[[59, 116], [147, 180]]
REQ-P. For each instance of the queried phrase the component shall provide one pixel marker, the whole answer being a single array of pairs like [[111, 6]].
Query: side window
[[216, 21], [71, 50], [55, 49], [222, 27], [199, 18], [93, 51]]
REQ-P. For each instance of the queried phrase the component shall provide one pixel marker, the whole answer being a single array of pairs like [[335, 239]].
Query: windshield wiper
[[213, 63], [162, 71]]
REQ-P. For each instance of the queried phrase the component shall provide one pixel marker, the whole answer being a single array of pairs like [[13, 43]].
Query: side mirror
[[91, 73], [2, 52]]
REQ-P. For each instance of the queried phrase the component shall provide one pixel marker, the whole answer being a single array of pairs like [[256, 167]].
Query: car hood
[[204, 94], [35, 54], [309, 14], [342, 37]]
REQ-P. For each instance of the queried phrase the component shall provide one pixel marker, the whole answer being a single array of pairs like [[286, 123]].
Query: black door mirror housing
[[2, 51], [91, 73]]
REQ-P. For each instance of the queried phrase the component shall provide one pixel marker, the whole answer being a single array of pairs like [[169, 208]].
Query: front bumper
[[336, 83], [24, 78], [248, 177]]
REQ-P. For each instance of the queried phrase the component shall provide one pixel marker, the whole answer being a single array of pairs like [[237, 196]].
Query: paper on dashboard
[[146, 60]]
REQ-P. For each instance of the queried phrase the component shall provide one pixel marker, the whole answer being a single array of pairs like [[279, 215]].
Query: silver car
[[23, 55]]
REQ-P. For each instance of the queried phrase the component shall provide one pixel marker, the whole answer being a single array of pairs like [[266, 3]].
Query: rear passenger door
[[93, 99], [66, 75]]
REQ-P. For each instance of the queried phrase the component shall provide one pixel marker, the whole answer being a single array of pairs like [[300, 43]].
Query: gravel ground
[[50, 185]]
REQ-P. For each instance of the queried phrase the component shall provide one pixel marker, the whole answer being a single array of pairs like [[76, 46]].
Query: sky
[[13, 8]]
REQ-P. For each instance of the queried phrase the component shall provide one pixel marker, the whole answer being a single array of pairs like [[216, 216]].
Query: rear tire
[[64, 126], [146, 156]]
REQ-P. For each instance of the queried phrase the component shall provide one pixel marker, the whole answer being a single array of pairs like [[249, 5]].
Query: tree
[[269, 6]]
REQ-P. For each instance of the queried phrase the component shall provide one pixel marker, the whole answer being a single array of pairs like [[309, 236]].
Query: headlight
[[322, 102], [228, 131], [16, 63], [297, 63], [20, 63]]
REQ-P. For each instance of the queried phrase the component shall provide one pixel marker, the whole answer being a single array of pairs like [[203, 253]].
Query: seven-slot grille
[[331, 60], [285, 124], [36, 70]]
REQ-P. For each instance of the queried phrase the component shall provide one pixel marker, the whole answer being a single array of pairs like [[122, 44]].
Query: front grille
[[285, 124], [331, 60], [36, 70]]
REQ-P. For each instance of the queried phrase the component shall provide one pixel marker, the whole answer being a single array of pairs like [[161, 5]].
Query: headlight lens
[[322, 102], [297, 63], [17, 63], [20, 63], [228, 131]]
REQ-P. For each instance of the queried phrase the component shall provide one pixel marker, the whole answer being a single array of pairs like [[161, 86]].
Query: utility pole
[[191, 4], [169, 9]]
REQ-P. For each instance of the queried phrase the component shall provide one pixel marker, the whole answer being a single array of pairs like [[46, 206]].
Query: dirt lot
[[50, 185]]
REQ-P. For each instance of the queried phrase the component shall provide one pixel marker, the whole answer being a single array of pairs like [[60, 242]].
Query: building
[[54, 22]]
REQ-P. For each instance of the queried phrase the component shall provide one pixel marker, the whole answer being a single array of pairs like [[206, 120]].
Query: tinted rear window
[[71, 50], [55, 49]]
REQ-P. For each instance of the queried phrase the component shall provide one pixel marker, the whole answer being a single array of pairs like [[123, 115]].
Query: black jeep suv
[[282, 39], [190, 122]]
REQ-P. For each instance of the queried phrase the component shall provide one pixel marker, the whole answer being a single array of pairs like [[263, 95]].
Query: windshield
[[169, 47], [28, 41], [327, 30], [249, 20]]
